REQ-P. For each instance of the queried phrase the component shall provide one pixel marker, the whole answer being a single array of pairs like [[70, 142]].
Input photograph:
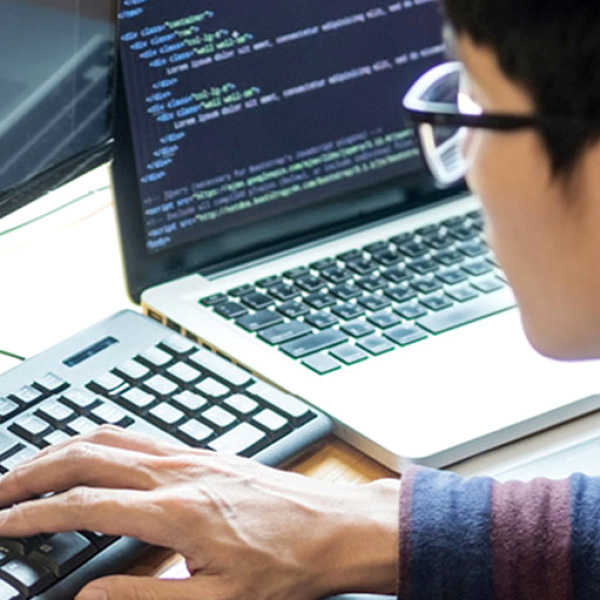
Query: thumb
[[140, 588]]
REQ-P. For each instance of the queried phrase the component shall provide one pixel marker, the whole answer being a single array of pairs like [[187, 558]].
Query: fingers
[[75, 465], [112, 436], [147, 588], [113, 512]]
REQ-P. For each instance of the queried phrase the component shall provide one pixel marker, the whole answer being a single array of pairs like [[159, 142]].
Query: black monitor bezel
[[227, 250]]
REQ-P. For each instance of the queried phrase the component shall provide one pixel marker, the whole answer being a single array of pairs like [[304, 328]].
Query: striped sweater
[[478, 539]]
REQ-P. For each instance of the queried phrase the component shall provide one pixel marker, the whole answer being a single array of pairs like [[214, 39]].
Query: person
[[248, 531]]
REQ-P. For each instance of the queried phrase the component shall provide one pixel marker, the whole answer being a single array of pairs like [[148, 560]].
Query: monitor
[[56, 94]]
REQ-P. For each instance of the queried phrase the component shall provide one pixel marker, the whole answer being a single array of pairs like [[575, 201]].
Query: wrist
[[363, 555]]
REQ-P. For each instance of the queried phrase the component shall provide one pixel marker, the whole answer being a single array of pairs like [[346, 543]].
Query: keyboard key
[[405, 334], [241, 290], [108, 383], [190, 401], [27, 576], [111, 414], [285, 403], [422, 265], [400, 293], [221, 367], [374, 302], [477, 266], [487, 284], [321, 363], [259, 320], [396, 274], [322, 319], [448, 256], [166, 415], [414, 248], [285, 332], [271, 421], [325, 263], [212, 388], [375, 344], [257, 300], [133, 370], [436, 301], [293, 309], [242, 439], [28, 395], [387, 257], [213, 300], [319, 300], [79, 399], [160, 385], [156, 357], [358, 328], [242, 404], [55, 412], [349, 354], [314, 342], [296, 273], [51, 383], [30, 428], [63, 552], [384, 319], [137, 399], [362, 266], [284, 291], [310, 283], [350, 255], [219, 417], [460, 314], [83, 425], [269, 282], [411, 310], [462, 292], [193, 432], [7, 408], [183, 373], [371, 283], [231, 310], [426, 284], [452, 275], [336, 274], [56, 437], [7, 443], [346, 291], [23, 454], [178, 345], [348, 311]]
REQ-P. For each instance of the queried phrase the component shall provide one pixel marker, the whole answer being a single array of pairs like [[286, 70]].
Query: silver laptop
[[273, 205]]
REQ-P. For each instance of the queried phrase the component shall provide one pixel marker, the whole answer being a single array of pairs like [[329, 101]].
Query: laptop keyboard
[[342, 310], [134, 373]]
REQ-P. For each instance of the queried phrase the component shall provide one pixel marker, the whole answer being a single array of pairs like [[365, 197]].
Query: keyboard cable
[[12, 355]]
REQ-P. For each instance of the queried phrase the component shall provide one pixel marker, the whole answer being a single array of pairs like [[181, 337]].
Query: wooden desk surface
[[62, 273]]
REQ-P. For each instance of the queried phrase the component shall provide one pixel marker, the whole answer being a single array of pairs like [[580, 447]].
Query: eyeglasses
[[442, 111]]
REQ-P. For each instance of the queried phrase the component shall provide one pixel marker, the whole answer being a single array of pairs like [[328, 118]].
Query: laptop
[[55, 97], [272, 204]]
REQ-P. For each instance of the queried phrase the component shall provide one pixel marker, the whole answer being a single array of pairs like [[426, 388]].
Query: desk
[[63, 273]]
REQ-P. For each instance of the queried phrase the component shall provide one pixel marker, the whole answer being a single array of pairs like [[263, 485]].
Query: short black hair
[[552, 49]]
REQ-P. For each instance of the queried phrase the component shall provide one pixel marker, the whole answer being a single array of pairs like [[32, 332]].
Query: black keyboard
[[132, 372], [367, 301]]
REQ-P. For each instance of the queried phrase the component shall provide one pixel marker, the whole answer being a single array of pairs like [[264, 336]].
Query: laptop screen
[[246, 111], [56, 92]]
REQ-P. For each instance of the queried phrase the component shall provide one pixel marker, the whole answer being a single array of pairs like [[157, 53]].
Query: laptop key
[[405, 334], [241, 290], [371, 283], [461, 314], [362, 266], [348, 311], [284, 291], [314, 342], [374, 302], [384, 319], [336, 274], [375, 344], [319, 300], [349, 354], [396, 274], [310, 283], [268, 282], [346, 291], [285, 332], [257, 300], [322, 319], [358, 328], [321, 363], [259, 320], [462, 292], [487, 284], [213, 300], [436, 301], [293, 309], [411, 309], [231, 310]]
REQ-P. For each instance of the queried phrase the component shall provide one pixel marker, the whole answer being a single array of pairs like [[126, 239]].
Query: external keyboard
[[342, 310], [132, 372]]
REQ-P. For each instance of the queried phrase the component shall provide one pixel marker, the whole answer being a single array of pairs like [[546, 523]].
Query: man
[[533, 156]]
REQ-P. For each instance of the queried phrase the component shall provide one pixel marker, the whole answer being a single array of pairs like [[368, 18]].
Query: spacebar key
[[461, 314]]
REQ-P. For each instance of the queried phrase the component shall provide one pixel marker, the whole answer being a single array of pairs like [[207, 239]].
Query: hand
[[245, 530]]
